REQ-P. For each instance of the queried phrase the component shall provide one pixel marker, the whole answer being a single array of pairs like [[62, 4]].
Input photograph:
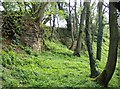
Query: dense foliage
[[35, 54]]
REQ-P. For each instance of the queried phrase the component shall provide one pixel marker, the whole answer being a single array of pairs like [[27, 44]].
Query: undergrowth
[[56, 67]]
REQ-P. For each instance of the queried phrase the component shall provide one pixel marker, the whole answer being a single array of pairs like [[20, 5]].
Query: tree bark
[[72, 34], [72, 27], [79, 40], [104, 78], [52, 28], [93, 70], [100, 31], [39, 12], [1, 21], [76, 19]]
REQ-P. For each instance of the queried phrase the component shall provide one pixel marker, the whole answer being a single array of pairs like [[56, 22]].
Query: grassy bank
[[56, 67]]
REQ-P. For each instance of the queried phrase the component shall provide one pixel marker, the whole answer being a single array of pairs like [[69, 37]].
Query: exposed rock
[[32, 35]]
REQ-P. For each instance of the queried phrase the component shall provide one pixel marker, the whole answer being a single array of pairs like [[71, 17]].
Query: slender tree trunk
[[72, 29], [53, 28], [50, 26], [72, 33], [76, 19], [104, 78], [79, 40], [58, 26], [93, 70], [74, 26], [1, 21], [94, 28], [100, 31]]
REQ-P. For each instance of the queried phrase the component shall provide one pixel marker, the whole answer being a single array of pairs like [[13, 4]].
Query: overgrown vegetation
[[54, 68], [34, 54]]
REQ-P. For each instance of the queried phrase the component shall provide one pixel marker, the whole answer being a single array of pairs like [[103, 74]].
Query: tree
[[93, 70], [100, 31], [52, 20], [53, 28], [67, 18], [78, 45], [72, 26], [0, 26], [104, 78], [93, 21], [76, 17]]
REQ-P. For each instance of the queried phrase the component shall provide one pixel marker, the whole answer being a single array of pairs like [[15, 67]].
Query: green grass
[[54, 68]]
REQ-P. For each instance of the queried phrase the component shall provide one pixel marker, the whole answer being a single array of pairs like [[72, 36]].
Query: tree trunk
[[76, 19], [79, 40], [1, 21], [72, 34], [67, 18], [50, 25], [93, 70], [52, 28], [104, 78], [72, 27], [39, 13], [100, 31]]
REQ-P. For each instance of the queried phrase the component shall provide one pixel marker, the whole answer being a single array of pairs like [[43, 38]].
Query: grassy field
[[54, 68]]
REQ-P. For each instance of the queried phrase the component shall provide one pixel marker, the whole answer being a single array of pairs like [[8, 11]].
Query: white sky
[[62, 23]]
